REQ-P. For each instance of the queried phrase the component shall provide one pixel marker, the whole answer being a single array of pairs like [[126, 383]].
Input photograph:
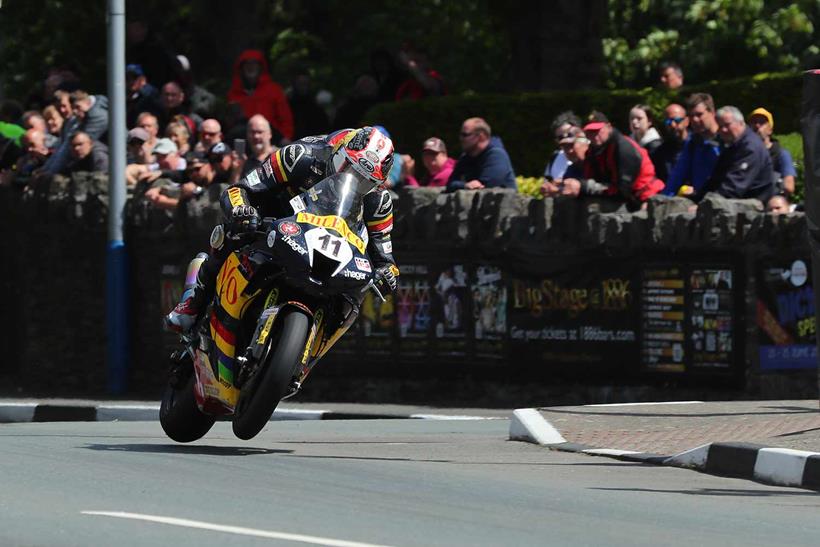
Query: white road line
[[651, 404], [232, 529], [452, 417]]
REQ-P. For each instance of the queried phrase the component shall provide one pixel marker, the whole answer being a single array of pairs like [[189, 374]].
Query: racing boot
[[186, 313]]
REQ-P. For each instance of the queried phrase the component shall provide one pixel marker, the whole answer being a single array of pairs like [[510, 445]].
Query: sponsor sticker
[[363, 264], [298, 204], [294, 245], [333, 222], [266, 166], [271, 238], [289, 229], [372, 156], [253, 179], [293, 155], [387, 247], [367, 165], [354, 275]]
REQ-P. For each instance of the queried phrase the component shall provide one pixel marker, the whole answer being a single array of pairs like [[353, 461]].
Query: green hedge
[[523, 120]]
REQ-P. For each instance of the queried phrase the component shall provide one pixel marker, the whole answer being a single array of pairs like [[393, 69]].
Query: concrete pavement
[[89, 410], [775, 442]]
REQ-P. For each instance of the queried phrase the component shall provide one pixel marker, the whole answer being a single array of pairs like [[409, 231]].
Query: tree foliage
[[469, 43], [710, 39]]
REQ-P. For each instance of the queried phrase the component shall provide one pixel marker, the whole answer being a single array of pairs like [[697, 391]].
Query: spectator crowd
[[182, 146]]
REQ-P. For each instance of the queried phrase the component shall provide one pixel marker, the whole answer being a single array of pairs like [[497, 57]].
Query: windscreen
[[341, 195]]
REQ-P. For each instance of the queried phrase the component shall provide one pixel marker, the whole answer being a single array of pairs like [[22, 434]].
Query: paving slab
[[672, 428]]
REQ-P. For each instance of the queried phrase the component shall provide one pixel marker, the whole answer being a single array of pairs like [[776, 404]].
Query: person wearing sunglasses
[[484, 162], [700, 150], [676, 131]]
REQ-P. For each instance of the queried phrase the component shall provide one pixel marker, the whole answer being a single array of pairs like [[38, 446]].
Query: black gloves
[[385, 279], [244, 218]]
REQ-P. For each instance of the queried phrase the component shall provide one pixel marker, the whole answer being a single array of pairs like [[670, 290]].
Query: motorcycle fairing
[[212, 395]]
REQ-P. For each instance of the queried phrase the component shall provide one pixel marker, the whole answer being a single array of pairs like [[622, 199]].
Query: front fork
[[316, 346]]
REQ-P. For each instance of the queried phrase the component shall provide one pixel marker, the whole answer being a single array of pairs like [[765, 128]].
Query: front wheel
[[260, 395], [179, 415]]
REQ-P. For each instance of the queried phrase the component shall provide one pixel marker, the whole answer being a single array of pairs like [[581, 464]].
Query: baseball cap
[[165, 146], [595, 121], [138, 134], [217, 151], [765, 113], [435, 144], [134, 69], [196, 157]]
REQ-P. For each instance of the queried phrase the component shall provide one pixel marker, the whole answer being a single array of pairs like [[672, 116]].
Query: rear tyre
[[179, 416], [261, 395]]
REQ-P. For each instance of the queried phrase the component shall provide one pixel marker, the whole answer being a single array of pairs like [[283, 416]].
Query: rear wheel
[[179, 415], [262, 393]]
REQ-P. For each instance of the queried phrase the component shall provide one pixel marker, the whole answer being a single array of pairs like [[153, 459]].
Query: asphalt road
[[363, 483]]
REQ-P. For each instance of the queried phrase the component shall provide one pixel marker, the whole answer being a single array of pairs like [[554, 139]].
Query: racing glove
[[244, 218], [385, 279]]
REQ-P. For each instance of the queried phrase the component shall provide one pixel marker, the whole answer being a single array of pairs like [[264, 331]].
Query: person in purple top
[[484, 163]]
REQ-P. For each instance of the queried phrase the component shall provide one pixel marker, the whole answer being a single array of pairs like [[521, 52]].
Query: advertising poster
[[786, 315], [413, 311], [585, 315], [449, 311], [489, 312], [711, 307], [662, 318], [377, 322]]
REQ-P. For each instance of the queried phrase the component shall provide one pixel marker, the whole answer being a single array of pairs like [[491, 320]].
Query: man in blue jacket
[[484, 163], [744, 169], [700, 150]]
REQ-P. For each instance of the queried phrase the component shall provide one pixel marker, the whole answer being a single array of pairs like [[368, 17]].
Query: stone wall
[[53, 278]]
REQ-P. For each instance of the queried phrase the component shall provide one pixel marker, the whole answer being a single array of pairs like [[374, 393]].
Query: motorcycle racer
[[267, 190]]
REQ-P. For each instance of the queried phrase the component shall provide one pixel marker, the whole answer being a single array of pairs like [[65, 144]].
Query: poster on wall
[[585, 315], [449, 312], [489, 300], [412, 300], [377, 322], [663, 336], [710, 307], [785, 315]]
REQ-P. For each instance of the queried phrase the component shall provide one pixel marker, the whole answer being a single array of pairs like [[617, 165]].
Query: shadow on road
[[717, 492], [187, 449]]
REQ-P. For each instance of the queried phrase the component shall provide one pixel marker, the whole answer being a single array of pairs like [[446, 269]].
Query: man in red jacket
[[614, 166], [255, 91]]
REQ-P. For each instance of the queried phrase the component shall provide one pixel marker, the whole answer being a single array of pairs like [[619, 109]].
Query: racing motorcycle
[[281, 301]]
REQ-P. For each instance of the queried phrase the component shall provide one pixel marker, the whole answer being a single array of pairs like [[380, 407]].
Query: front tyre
[[179, 415], [259, 397]]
